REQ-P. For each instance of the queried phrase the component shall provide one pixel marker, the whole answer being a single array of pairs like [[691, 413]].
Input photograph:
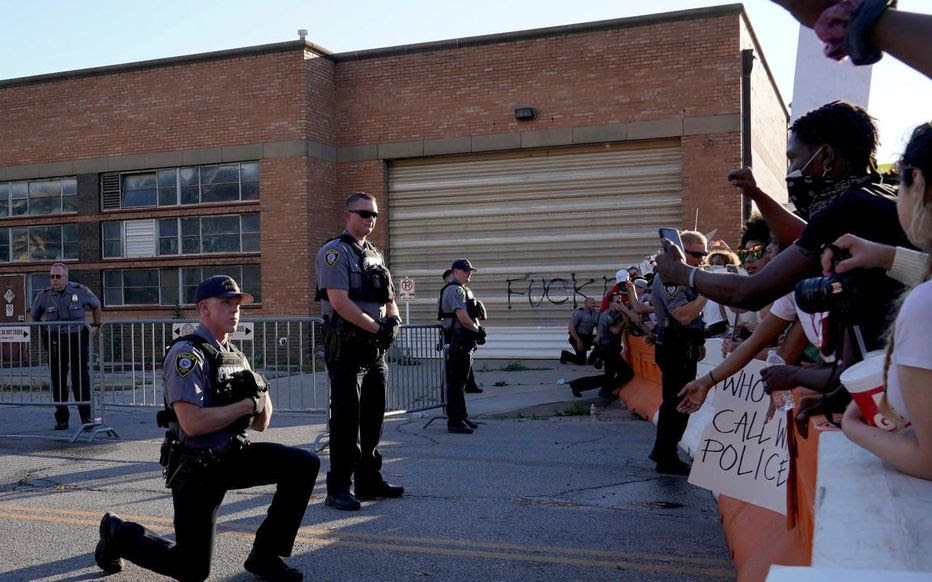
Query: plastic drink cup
[[864, 381]]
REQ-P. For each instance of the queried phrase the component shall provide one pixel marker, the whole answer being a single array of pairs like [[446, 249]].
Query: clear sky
[[46, 36]]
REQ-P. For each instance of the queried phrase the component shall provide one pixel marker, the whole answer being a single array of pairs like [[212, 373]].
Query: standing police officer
[[678, 347], [360, 323], [211, 397], [67, 344], [581, 327], [460, 312]]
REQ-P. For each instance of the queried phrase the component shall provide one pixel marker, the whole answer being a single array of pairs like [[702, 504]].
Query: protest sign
[[740, 455]]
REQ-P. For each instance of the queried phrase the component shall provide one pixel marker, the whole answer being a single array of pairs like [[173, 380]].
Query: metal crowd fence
[[50, 364], [125, 365], [286, 350]]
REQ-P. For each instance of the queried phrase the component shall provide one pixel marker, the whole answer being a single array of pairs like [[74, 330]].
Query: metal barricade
[[415, 370], [288, 351], [50, 364]]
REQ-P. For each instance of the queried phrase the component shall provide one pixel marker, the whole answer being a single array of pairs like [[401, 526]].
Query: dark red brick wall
[[659, 71]]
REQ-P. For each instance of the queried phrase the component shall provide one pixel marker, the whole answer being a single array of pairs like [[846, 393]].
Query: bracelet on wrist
[[858, 44], [711, 377], [692, 278]]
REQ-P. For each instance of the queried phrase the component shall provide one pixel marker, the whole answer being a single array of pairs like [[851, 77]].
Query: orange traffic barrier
[[642, 395], [758, 537]]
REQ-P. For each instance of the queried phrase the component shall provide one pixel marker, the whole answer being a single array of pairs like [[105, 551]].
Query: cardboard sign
[[740, 455]]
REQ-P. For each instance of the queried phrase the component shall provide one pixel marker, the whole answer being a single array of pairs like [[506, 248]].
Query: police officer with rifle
[[460, 313], [211, 397], [360, 323]]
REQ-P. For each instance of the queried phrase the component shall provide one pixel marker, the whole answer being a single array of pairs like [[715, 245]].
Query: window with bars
[[172, 286]]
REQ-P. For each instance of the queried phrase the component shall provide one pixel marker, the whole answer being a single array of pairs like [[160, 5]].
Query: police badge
[[74, 297], [184, 363]]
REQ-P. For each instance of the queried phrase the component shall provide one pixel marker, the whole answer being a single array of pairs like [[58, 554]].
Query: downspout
[[747, 64]]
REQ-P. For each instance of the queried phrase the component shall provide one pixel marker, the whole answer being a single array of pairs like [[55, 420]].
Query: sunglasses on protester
[[752, 254], [365, 213], [698, 254]]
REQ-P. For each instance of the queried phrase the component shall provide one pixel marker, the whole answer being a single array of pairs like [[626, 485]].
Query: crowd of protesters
[[813, 291]]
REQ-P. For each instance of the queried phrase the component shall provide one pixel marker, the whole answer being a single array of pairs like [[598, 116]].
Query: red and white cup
[[864, 381]]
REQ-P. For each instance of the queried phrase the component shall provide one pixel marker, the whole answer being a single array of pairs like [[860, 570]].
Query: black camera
[[839, 294]]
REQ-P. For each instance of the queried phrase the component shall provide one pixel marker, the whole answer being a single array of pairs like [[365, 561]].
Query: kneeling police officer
[[212, 396], [360, 323]]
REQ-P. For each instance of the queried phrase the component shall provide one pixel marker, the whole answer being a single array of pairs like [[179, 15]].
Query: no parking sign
[[407, 289]]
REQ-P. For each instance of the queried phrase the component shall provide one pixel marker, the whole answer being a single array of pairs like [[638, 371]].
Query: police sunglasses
[[365, 213], [698, 254]]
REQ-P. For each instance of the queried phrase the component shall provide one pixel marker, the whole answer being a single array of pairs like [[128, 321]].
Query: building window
[[54, 196], [189, 235], [185, 186], [163, 287], [25, 244]]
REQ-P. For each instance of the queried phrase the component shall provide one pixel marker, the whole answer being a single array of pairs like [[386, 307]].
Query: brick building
[[147, 176]]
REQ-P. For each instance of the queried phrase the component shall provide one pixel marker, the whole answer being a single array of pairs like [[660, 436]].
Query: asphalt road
[[556, 498]]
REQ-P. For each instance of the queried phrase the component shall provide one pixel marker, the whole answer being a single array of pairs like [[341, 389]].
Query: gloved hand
[[388, 331], [480, 336]]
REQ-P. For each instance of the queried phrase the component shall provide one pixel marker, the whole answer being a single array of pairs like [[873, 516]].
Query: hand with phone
[[671, 263]]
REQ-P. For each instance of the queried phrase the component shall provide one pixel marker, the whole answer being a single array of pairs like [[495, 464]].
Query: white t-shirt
[[913, 335], [785, 308]]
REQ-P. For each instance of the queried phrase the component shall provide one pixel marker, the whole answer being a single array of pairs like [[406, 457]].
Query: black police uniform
[[460, 345], [203, 468], [677, 350], [356, 365], [68, 346]]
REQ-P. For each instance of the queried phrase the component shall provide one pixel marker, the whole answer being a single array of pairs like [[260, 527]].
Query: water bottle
[[783, 398], [592, 412]]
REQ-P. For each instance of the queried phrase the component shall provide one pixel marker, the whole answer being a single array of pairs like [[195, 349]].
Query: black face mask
[[803, 190]]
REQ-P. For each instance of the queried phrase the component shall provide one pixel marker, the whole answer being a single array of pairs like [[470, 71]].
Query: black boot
[[107, 553]]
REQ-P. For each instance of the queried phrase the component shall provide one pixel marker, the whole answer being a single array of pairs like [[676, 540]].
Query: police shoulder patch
[[461, 292], [185, 362], [671, 290], [331, 256]]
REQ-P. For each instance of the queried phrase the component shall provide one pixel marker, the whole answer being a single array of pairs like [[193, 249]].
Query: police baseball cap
[[641, 282], [222, 286], [622, 276], [463, 264], [446, 274]]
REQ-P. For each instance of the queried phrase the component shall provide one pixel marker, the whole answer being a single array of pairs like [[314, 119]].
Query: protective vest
[[472, 305], [377, 286], [226, 382]]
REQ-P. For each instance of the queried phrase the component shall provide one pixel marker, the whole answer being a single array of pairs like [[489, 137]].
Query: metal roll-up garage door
[[545, 228]]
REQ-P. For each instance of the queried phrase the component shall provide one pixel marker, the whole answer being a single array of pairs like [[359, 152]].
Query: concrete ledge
[[600, 133], [453, 145], [130, 162], [357, 153], [496, 141], [406, 149], [711, 124], [868, 515], [547, 137], [657, 128], [201, 156], [285, 149], [239, 153]]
